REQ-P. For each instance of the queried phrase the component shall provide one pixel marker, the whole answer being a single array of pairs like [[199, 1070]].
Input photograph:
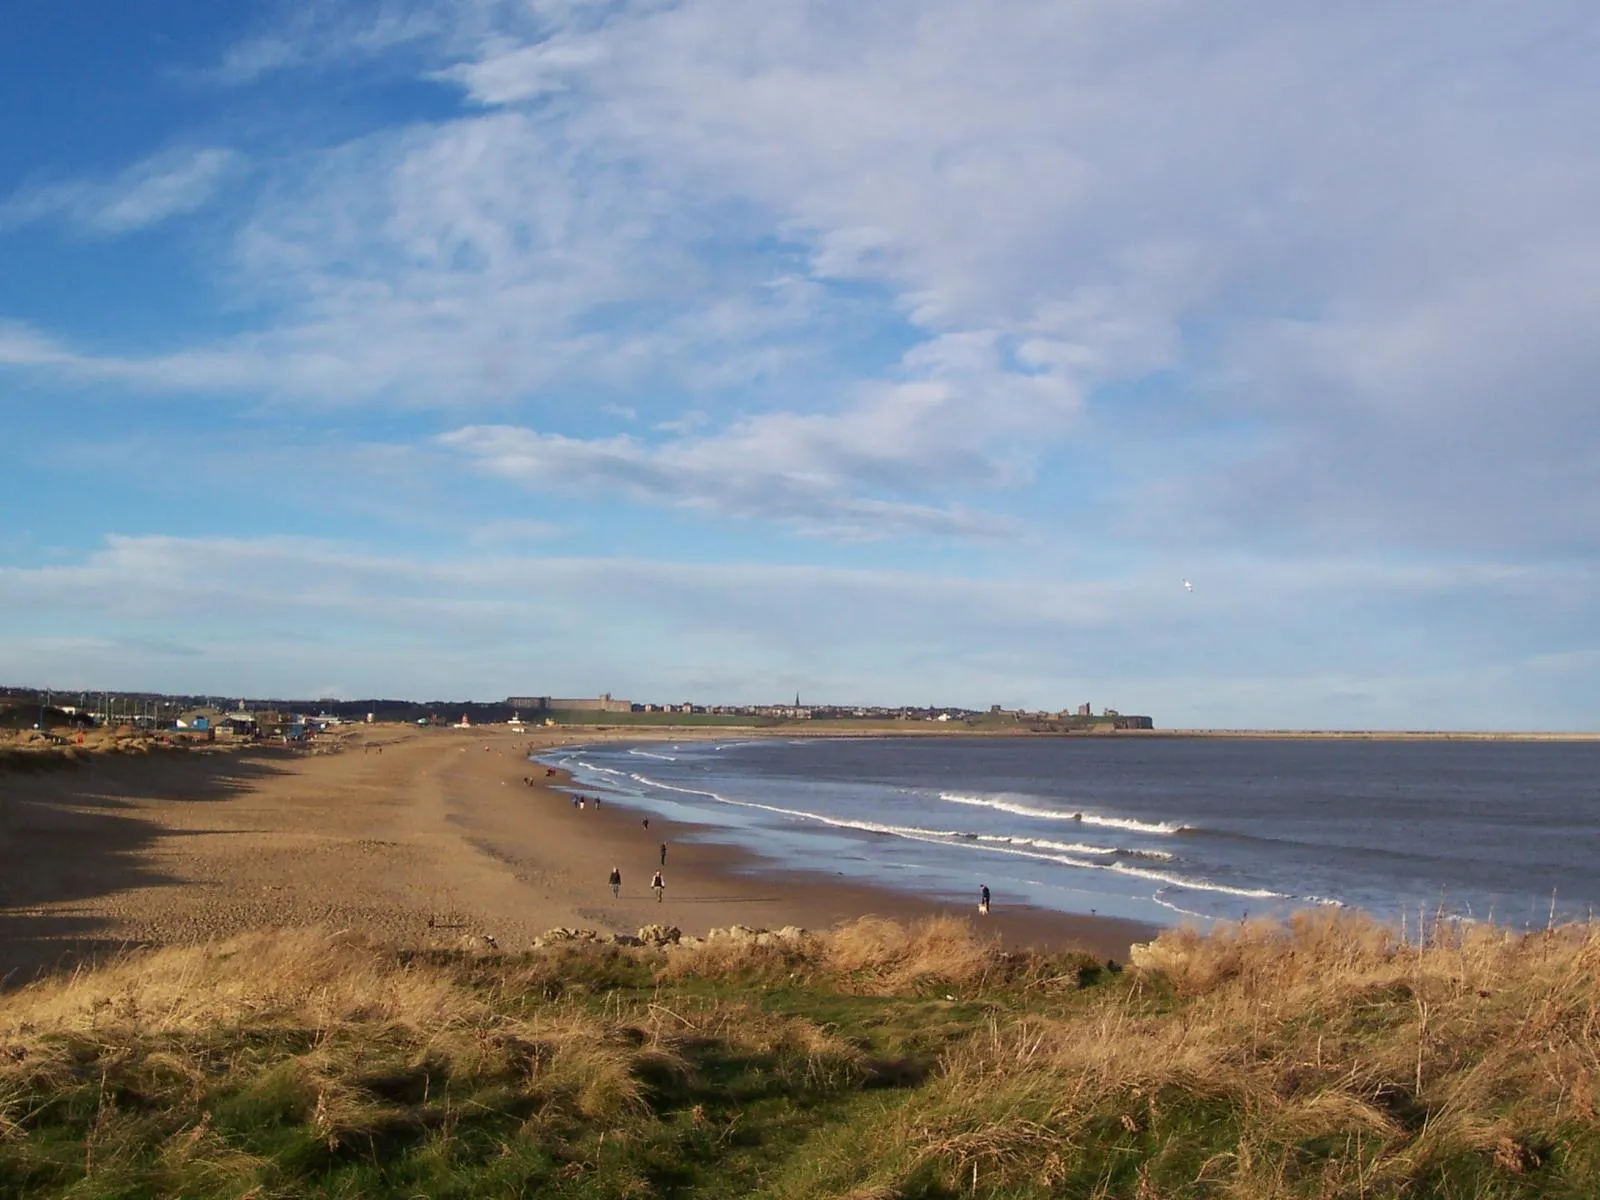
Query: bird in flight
[[1187, 586]]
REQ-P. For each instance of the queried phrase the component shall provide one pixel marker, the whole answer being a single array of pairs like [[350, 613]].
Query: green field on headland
[[1326, 1059]]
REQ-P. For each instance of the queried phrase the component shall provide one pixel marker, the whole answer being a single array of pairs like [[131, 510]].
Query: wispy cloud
[[323, 33], [711, 477], [997, 234], [1251, 646], [169, 184]]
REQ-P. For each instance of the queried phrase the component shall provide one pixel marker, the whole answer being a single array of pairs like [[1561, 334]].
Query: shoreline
[[724, 872], [417, 838]]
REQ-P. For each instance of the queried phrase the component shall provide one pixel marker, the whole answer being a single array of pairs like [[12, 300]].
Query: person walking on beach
[[616, 882], [663, 854], [983, 900], [658, 884]]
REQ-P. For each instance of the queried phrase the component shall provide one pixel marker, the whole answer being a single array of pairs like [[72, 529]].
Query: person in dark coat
[[659, 885], [616, 881], [983, 900]]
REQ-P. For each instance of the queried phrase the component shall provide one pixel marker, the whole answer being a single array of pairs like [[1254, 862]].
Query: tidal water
[[1159, 830]]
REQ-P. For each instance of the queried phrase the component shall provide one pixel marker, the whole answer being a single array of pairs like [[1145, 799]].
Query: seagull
[[1187, 586]]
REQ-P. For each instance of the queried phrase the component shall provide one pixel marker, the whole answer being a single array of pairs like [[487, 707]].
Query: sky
[[891, 353]]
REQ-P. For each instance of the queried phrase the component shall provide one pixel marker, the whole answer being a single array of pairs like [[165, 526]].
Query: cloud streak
[[1247, 648], [170, 184], [1308, 227]]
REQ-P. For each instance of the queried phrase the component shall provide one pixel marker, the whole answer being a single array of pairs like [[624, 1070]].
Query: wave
[[1196, 885], [599, 770], [1073, 847], [1083, 856], [956, 837], [647, 754], [1166, 878], [907, 831], [1052, 814], [1179, 909]]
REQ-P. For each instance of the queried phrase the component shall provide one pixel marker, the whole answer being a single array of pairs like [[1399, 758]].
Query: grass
[[1323, 1058]]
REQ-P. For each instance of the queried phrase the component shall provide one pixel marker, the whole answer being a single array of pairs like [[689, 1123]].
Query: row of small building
[[267, 725]]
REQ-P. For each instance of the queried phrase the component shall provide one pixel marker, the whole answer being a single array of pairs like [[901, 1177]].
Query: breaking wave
[[1054, 814]]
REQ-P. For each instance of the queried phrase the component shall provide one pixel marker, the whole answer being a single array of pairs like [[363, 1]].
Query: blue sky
[[891, 353]]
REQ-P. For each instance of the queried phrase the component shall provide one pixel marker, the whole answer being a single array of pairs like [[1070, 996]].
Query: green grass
[[1328, 1060]]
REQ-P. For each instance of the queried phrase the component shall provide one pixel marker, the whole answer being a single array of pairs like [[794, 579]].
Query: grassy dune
[[1320, 1059]]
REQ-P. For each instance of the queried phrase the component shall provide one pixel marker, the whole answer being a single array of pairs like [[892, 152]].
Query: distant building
[[198, 720], [602, 703]]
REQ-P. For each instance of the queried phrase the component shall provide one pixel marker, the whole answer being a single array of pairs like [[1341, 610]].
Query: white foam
[[1187, 912], [1054, 814], [662, 757], [1074, 847], [906, 831], [1065, 855], [1163, 877], [598, 770], [1195, 885]]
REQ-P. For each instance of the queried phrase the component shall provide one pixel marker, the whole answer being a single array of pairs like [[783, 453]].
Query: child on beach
[[616, 882], [983, 900], [658, 884]]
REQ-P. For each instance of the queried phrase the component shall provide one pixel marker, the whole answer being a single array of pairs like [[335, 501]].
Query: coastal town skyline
[[162, 710], [1231, 362]]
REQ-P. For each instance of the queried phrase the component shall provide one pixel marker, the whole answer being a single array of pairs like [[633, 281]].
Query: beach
[[421, 838]]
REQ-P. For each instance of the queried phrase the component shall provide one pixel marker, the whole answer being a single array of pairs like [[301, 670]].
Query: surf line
[[957, 838], [1051, 814]]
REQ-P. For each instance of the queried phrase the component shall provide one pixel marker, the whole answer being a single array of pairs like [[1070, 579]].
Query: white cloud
[[331, 34], [842, 474], [1361, 243], [169, 184], [732, 475]]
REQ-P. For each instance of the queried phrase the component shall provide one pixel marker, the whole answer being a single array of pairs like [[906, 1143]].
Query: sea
[[1162, 830]]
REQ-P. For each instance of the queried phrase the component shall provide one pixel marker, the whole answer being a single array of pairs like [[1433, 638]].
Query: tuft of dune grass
[[875, 956]]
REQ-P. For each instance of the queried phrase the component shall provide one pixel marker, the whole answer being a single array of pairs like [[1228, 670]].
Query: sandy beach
[[419, 837]]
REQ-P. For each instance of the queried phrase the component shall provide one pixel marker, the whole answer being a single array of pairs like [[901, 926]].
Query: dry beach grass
[[1326, 1058]]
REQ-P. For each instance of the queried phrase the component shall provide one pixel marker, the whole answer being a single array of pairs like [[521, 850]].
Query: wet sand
[[419, 837]]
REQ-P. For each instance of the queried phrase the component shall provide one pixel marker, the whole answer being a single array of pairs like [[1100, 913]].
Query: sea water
[[1156, 829]]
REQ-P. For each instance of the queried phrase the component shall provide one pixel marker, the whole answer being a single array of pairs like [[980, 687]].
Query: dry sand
[[417, 837]]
